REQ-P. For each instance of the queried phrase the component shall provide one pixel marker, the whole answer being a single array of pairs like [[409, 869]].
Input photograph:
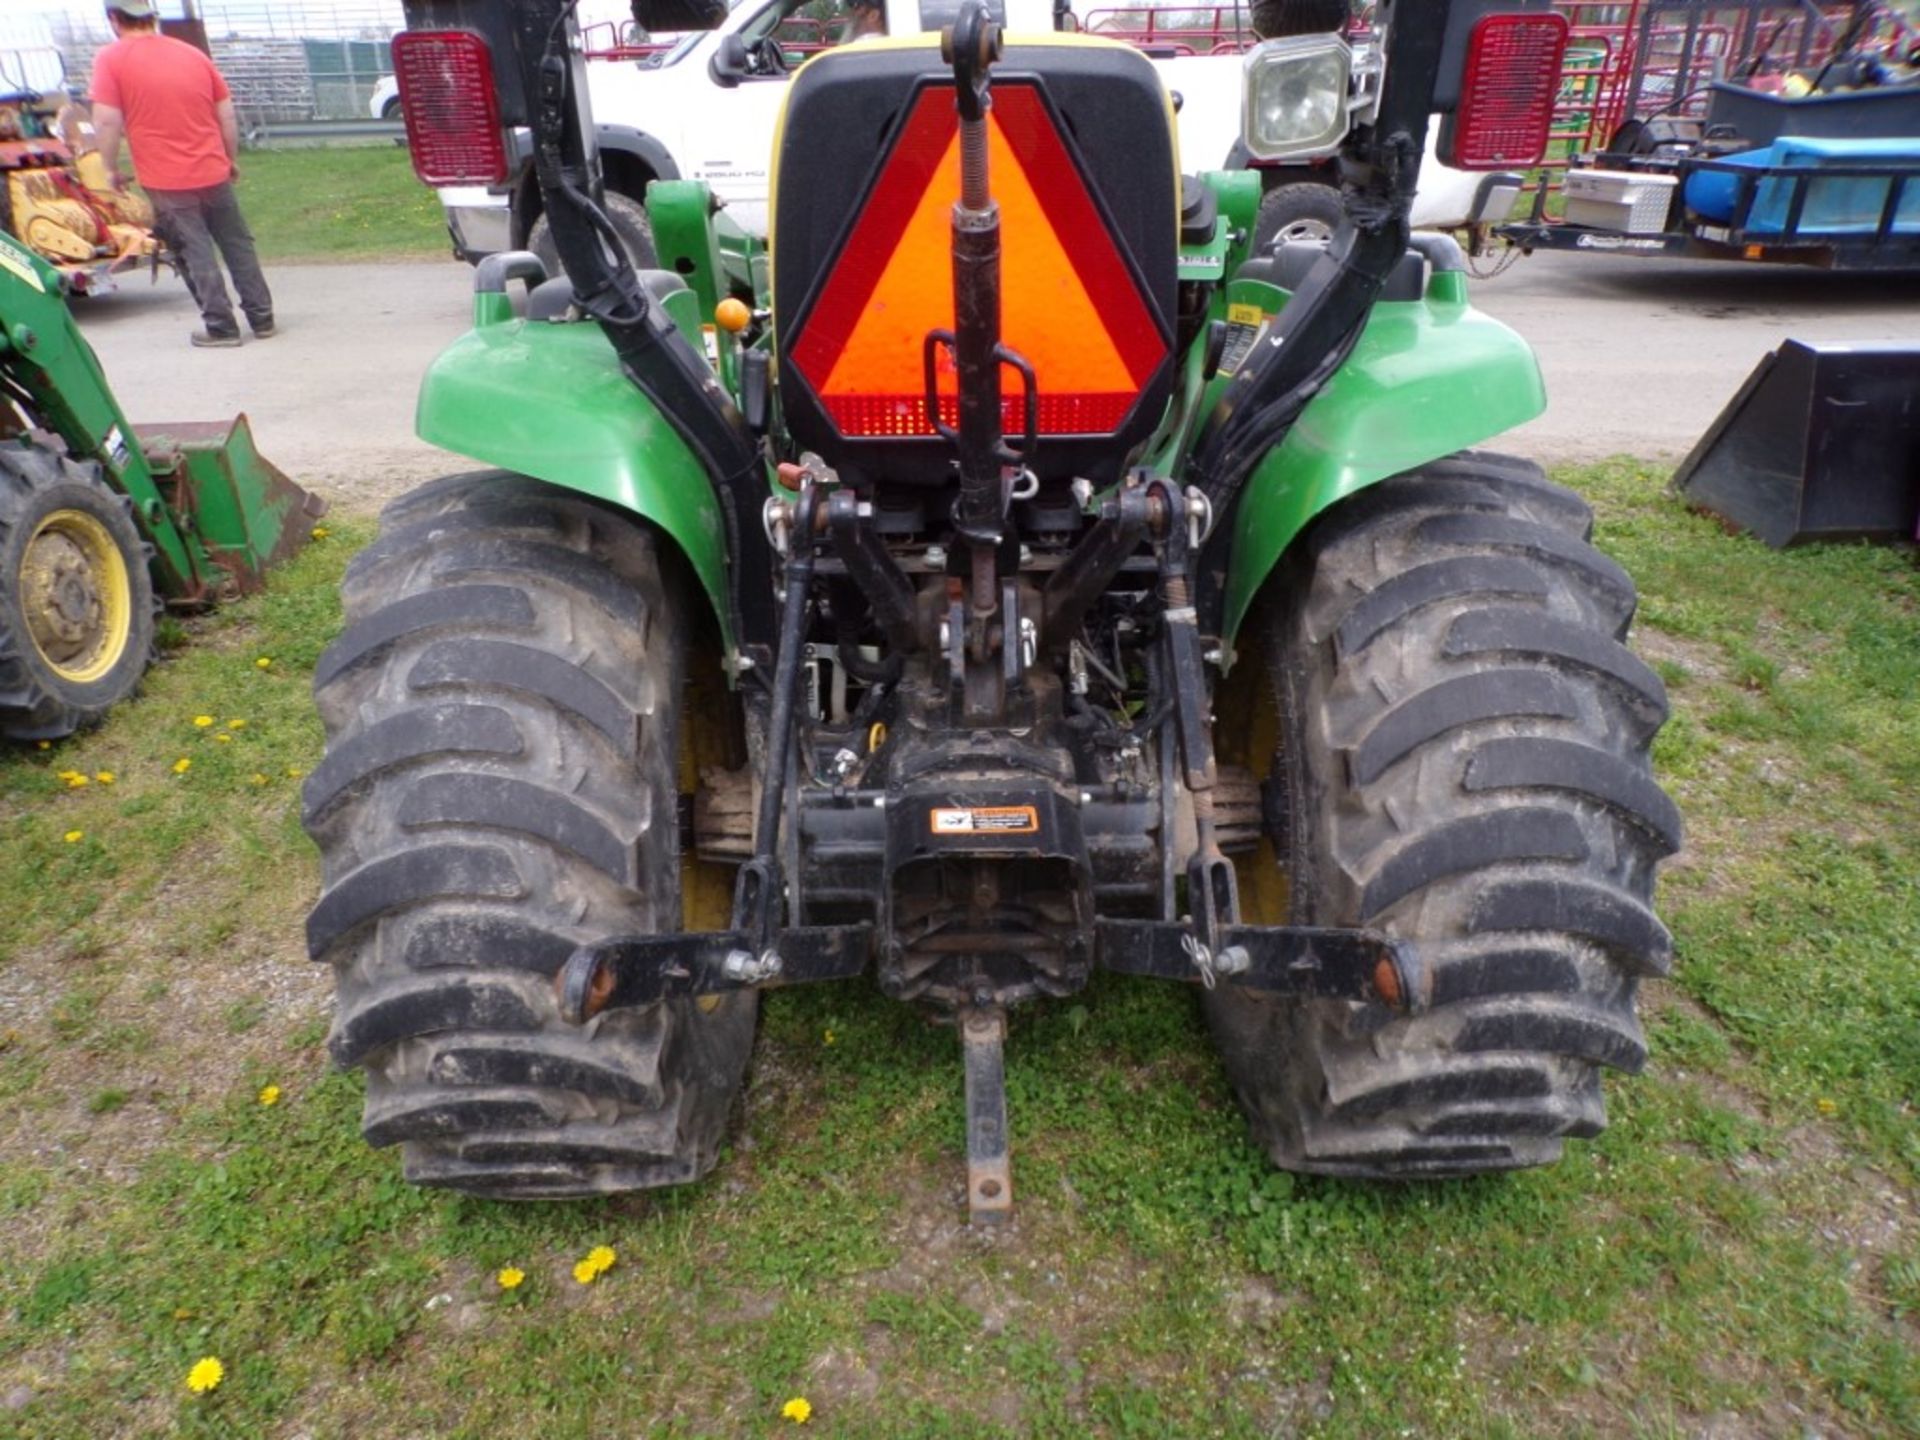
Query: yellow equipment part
[[58, 227], [123, 207], [132, 240]]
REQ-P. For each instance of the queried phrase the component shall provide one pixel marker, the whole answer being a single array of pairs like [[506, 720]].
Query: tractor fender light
[[1296, 95], [1507, 92], [452, 113]]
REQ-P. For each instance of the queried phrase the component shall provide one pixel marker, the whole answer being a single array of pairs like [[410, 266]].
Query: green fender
[[550, 401], [1428, 377]]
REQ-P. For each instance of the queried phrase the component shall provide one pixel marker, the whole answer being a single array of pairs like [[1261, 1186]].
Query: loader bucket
[[247, 514], [1822, 442]]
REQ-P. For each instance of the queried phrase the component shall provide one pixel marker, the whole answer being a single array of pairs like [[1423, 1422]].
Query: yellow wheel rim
[[76, 596]]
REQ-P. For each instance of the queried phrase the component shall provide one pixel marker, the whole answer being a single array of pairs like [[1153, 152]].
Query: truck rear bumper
[[480, 224]]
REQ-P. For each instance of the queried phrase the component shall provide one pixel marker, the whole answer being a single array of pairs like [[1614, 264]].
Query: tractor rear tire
[[630, 223], [501, 785], [76, 598], [1462, 763]]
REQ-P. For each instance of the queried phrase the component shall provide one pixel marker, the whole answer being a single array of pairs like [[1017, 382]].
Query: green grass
[[358, 202], [1743, 1241]]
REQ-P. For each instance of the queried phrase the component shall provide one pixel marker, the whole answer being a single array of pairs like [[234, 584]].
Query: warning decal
[[1245, 325], [987, 820]]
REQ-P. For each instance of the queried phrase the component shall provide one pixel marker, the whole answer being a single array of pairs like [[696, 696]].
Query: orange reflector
[[1069, 301]]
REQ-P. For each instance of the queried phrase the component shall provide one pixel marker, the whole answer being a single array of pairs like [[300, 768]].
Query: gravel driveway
[[1639, 355]]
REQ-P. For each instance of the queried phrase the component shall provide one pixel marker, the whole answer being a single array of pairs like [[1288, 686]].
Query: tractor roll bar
[[1379, 165], [656, 359]]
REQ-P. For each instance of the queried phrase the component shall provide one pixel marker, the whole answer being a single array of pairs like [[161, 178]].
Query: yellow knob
[[732, 315]]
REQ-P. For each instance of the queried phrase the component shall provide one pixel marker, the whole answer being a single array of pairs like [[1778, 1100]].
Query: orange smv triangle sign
[[1091, 357]]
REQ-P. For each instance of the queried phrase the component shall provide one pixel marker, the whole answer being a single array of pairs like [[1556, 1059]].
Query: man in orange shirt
[[175, 111]]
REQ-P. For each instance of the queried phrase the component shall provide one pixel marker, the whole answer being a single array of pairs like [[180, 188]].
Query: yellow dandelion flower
[[236, 724], [1825, 1106], [67, 775], [270, 1095], [265, 662], [74, 837], [828, 1038], [182, 765], [224, 739], [259, 779], [294, 772], [799, 1410], [201, 722], [601, 1257], [77, 782], [46, 744], [206, 1375], [586, 1272], [105, 777], [510, 1278], [320, 532]]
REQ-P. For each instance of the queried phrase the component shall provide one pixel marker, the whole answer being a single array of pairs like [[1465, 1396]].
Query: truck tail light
[[1507, 92], [453, 117]]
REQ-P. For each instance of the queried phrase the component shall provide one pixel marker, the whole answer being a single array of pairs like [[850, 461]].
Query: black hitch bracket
[[1291, 960], [632, 971]]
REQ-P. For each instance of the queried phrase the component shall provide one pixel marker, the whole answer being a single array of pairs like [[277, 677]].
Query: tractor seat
[[553, 299], [1286, 265], [865, 177]]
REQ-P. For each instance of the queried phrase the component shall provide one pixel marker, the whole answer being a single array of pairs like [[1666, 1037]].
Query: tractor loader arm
[[100, 521], [215, 513]]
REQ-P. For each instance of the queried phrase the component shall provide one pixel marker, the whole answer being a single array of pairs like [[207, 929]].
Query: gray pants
[[192, 223]]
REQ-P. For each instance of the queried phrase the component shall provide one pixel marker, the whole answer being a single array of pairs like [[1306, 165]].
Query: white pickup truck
[[704, 108]]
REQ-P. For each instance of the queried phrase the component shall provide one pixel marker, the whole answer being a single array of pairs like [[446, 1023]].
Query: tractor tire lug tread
[[1473, 842], [403, 739], [499, 665], [370, 639], [1453, 704], [1568, 647], [1424, 585], [468, 799], [1609, 584], [1536, 762]]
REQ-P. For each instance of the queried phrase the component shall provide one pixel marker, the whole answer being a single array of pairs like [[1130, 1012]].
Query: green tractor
[[102, 522], [1007, 574]]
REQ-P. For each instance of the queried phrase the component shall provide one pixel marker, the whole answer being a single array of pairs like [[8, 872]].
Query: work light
[[1296, 97]]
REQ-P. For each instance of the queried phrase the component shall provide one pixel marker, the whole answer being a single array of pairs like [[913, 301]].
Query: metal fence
[[288, 61]]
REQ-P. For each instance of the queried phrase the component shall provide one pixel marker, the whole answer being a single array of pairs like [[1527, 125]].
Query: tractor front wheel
[[501, 785], [1462, 762], [630, 223], [76, 601], [1306, 211]]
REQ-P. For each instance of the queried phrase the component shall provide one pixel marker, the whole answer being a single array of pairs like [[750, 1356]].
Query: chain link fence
[[287, 62]]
